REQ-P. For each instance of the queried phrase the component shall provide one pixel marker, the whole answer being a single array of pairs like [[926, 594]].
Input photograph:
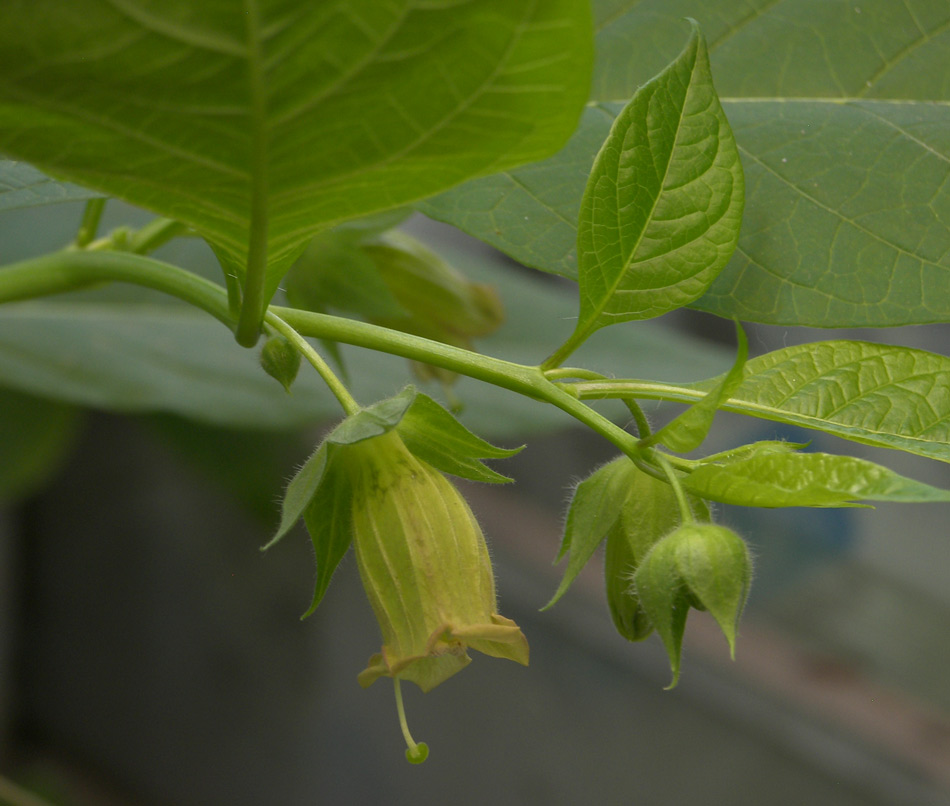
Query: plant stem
[[89, 225], [70, 270], [155, 234], [340, 392], [685, 511], [563, 373], [642, 390], [525, 380], [563, 352]]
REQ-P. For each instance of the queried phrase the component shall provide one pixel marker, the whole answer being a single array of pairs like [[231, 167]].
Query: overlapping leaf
[[806, 480], [842, 116], [22, 185], [256, 117], [660, 214], [892, 397]]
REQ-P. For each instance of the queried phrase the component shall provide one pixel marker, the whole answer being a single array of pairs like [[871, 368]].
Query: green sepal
[[281, 360], [595, 508], [698, 564], [329, 519], [301, 489], [628, 616], [369, 422], [436, 437], [632, 510], [429, 431], [784, 479], [649, 512], [687, 431]]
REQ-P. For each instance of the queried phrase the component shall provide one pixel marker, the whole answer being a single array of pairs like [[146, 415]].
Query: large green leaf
[[806, 480], [21, 185], [841, 112], [258, 122], [660, 214]]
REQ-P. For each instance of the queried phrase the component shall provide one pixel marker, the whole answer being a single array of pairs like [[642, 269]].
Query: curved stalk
[[71, 270], [340, 392]]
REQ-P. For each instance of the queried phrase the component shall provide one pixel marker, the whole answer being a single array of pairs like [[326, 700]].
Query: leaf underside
[[263, 115]]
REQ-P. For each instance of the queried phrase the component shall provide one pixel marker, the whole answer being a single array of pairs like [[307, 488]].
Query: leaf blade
[[660, 214], [806, 480], [357, 107], [882, 395], [688, 430], [22, 185], [886, 80]]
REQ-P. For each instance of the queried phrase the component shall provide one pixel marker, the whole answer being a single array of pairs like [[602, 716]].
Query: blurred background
[[150, 655]]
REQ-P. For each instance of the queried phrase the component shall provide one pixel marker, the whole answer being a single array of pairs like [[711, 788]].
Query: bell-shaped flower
[[424, 565]]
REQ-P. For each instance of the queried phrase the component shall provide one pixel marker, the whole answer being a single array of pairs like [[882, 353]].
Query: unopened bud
[[700, 565]]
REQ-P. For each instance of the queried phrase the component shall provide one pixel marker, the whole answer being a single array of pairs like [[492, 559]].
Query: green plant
[[293, 137]]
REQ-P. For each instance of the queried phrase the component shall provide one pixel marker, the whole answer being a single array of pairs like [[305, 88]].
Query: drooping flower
[[424, 565]]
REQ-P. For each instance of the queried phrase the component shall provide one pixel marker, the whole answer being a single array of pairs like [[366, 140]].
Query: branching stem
[[336, 386], [70, 270]]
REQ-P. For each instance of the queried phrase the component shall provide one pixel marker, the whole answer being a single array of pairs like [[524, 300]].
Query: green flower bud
[[440, 302], [648, 512], [424, 565], [700, 565], [281, 360]]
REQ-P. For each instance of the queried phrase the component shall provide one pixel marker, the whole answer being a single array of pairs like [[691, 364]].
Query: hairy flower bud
[[700, 565], [424, 565]]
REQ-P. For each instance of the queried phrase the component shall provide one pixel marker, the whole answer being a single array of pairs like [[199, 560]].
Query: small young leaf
[[432, 434], [806, 480], [689, 429], [661, 212]]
